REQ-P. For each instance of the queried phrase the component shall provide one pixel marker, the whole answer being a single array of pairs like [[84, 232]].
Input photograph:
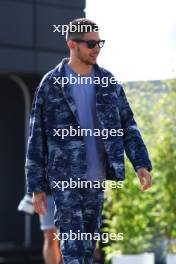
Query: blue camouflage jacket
[[50, 158]]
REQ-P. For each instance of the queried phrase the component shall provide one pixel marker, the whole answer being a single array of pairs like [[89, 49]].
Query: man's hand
[[40, 202], [145, 178]]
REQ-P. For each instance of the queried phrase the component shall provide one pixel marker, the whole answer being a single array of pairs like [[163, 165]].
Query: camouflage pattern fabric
[[52, 158], [78, 211]]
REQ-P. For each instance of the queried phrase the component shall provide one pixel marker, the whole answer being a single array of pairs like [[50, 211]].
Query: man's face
[[85, 54]]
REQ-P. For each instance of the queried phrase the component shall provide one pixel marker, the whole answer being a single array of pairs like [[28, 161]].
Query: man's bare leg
[[51, 249]]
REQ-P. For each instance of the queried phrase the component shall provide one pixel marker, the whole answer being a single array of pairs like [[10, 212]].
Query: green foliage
[[149, 216], [166, 160]]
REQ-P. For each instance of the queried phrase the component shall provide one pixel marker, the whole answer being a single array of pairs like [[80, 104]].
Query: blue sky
[[140, 37]]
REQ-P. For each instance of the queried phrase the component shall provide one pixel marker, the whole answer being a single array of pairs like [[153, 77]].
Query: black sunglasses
[[91, 43]]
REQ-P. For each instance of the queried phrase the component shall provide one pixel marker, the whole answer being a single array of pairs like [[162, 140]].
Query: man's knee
[[49, 237]]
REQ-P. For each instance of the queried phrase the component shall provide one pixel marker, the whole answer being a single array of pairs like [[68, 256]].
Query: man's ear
[[71, 44]]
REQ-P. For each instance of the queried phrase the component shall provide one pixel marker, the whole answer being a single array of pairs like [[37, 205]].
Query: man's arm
[[35, 165], [133, 143], [40, 202]]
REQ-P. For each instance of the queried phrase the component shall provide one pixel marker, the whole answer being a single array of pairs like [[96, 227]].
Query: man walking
[[55, 156]]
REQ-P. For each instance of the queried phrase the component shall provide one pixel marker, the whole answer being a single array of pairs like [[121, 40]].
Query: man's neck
[[80, 67]]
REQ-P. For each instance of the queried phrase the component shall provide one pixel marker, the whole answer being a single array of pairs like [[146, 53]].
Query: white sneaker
[[26, 205]]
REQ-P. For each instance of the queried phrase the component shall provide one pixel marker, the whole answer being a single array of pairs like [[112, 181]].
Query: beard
[[84, 59]]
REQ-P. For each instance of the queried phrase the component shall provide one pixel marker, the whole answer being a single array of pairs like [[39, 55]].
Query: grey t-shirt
[[84, 96]]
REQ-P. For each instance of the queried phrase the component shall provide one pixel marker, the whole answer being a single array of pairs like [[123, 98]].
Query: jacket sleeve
[[134, 145], [35, 166]]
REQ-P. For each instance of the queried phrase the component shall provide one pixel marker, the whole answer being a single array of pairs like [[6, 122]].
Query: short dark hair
[[80, 26]]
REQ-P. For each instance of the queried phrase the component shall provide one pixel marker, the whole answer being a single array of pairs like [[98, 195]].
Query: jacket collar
[[60, 72], [60, 67]]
